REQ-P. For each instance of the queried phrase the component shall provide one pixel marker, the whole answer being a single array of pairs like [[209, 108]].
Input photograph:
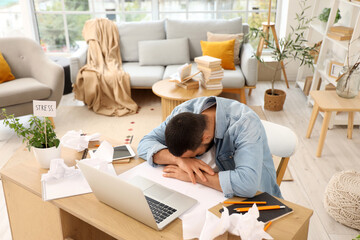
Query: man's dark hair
[[184, 132]]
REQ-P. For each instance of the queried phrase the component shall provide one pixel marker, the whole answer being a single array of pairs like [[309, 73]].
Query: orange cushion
[[223, 50], [5, 71]]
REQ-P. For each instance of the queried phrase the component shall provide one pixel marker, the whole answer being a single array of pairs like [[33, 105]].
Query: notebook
[[265, 215]]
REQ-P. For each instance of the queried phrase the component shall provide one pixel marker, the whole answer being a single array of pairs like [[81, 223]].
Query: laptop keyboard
[[159, 210]]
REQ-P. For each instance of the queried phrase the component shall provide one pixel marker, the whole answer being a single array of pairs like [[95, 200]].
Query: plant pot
[[348, 85], [274, 102], [45, 155]]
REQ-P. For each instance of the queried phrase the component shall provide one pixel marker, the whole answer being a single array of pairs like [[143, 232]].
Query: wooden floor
[[311, 174]]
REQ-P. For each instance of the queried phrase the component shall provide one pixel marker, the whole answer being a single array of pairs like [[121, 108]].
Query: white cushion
[[22, 90], [133, 32], [143, 76], [196, 30], [164, 52], [282, 140]]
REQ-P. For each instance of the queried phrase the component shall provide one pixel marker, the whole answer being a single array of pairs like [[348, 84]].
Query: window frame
[[154, 13]]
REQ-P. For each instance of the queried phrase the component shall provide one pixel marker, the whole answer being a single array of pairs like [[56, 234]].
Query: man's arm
[[194, 167], [173, 171]]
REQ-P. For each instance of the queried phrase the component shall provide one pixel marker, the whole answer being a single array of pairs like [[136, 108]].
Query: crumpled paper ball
[[244, 225], [75, 140]]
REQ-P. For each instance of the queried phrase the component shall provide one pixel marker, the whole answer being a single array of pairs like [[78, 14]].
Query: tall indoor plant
[[294, 46], [43, 139]]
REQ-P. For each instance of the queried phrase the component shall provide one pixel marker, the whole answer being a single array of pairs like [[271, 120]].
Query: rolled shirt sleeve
[[152, 143]]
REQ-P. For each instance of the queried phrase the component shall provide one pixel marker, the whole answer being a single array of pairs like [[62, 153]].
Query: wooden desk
[[328, 102], [172, 95], [84, 217]]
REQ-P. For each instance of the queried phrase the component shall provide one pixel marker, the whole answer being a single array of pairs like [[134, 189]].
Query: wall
[[288, 11]]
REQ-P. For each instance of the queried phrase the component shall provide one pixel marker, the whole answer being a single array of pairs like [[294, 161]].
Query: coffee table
[[328, 102], [172, 95]]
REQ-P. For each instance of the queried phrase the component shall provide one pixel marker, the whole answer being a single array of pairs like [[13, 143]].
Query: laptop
[[139, 198]]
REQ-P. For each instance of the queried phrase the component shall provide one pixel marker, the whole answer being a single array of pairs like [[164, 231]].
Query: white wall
[[288, 13]]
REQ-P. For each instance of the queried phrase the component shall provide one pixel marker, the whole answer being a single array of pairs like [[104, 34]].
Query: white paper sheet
[[66, 187], [206, 197], [63, 181]]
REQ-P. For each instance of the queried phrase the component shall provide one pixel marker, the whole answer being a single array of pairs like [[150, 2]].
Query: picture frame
[[335, 68]]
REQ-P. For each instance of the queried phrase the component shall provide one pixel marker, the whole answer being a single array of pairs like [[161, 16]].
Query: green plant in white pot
[[39, 135], [294, 46]]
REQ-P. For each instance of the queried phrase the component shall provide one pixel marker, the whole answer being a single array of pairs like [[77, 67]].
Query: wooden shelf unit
[[350, 12]]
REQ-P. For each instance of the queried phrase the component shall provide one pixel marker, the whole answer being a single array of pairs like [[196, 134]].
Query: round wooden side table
[[172, 95]]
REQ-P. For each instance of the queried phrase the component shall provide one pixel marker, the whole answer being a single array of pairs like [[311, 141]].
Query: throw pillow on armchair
[[5, 71]]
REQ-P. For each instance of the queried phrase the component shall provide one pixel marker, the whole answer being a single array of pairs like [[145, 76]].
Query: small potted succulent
[[39, 135]]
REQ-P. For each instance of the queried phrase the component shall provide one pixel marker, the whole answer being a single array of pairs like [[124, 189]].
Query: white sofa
[[152, 51]]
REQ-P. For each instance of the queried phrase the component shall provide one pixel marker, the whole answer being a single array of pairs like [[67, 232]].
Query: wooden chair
[[282, 143]]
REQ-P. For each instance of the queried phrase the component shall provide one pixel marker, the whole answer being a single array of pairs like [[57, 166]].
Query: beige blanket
[[102, 84]]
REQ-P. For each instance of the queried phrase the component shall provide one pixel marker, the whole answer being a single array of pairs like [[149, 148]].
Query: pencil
[[236, 202], [271, 207], [121, 161], [267, 225]]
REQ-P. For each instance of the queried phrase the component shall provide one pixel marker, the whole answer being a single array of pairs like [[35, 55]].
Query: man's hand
[[173, 171], [194, 165]]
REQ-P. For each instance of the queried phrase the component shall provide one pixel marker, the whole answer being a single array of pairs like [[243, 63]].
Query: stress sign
[[44, 108]]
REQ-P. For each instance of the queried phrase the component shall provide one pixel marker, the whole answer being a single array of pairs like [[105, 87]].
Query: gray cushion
[[22, 90], [195, 30], [143, 76], [133, 32], [164, 52], [232, 78]]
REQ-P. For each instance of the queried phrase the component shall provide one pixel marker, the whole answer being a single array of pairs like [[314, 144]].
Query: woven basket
[[274, 102], [342, 198]]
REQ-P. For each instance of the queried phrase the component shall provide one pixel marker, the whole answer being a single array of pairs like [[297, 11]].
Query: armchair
[[36, 76]]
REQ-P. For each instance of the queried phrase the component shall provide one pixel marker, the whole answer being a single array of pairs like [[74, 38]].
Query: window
[[11, 23], [60, 22]]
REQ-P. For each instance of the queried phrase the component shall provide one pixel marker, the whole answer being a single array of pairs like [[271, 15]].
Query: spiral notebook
[[265, 215]]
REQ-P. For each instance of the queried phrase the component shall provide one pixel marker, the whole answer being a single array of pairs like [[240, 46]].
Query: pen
[[267, 225], [85, 153], [235, 202], [131, 139], [271, 207]]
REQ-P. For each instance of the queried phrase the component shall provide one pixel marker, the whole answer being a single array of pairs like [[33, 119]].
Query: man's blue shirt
[[242, 152]]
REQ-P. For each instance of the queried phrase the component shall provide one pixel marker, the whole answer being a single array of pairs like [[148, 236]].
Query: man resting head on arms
[[217, 142]]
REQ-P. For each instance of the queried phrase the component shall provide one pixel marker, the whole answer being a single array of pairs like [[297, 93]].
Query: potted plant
[[39, 135], [294, 46], [324, 16]]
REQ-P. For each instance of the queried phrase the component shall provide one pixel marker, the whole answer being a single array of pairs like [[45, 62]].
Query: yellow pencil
[[271, 207], [267, 225], [236, 202]]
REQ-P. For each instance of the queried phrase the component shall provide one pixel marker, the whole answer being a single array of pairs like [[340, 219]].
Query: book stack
[[211, 72], [184, 78], [340, 33], [190, 84]]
